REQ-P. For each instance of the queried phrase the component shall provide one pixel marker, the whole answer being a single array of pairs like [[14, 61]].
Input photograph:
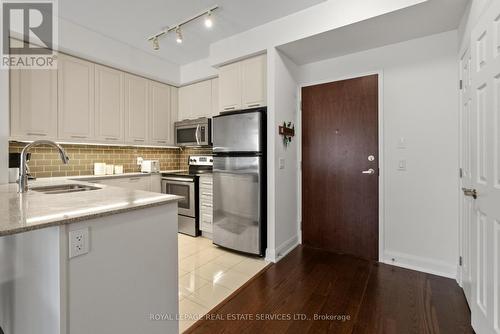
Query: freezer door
[[240, 132], [237, 203]]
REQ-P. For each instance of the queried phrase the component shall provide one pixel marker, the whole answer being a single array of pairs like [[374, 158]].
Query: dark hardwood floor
[[366, 297]]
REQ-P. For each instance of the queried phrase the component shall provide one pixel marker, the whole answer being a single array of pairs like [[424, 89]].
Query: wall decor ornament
[[287, 130]]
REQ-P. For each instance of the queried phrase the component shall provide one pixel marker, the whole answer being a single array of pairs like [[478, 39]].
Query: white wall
[[420, 103], [323, 17], [196, 71], [4, 126], [80, 41], [283, 104]]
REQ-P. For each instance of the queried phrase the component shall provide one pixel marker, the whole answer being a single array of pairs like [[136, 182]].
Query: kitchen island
[[116, 280]]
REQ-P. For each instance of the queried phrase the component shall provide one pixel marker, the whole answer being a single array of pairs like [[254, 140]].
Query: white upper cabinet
[[174, 105], [253, 82], [83, 102], [230, 87], [33, 100], [75, 99], [136, 109], [109, 105], [196, 100], [160, 114], [243, 84], [215, 97]]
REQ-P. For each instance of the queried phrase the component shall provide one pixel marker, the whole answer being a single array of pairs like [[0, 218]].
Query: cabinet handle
[[207, 183], [207, 205], [253, 105], [134, 179], [79, 137], [36, 134], [229, 108], [207, 194], [111, 138], [161, 141], [138, 140]]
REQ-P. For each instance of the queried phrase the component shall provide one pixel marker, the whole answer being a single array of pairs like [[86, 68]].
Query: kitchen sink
[[64, 188]]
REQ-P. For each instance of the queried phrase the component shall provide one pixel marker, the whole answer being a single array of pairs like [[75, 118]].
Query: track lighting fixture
[[177, 28], [179, 35], [208, 20]]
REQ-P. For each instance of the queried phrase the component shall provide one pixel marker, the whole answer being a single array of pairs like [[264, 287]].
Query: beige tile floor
[[209, 274]]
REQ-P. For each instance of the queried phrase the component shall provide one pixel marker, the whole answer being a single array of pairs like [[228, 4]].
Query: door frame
[[381, 141]]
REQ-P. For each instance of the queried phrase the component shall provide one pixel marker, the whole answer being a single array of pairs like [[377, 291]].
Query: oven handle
[[177, 180], [196, 134]]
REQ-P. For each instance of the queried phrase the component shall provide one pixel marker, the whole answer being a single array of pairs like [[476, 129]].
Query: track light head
[[156, 44], [179, 35], [208, 20]]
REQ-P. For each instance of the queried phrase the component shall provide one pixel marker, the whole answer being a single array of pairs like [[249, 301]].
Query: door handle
[[470, 192], [371, 171]]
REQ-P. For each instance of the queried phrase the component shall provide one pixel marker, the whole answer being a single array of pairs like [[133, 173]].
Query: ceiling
[[131, 22], [431, 17]]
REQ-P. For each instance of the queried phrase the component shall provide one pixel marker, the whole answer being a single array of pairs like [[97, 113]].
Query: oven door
[[186, 189]]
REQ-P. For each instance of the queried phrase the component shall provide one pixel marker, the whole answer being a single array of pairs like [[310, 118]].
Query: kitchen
[[188, 162]]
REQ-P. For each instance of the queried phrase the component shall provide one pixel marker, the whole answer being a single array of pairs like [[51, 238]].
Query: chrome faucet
[[23, 177]]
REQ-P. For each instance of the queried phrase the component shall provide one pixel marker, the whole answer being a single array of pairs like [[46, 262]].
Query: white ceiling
[[431, 17], [132, 21]]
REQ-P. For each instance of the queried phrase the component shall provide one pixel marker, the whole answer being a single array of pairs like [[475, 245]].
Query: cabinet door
[[174, 103], [254, 82], [75, 98], [109, 100], [159, 113], [230, 87], [201, 97], [185, 102], [215, 97], [136, 109], [33, 99]]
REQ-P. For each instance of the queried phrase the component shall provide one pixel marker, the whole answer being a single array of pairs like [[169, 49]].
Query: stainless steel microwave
[[195, 132]]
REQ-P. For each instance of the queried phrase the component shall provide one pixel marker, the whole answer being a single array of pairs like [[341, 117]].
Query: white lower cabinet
[[206, 203]]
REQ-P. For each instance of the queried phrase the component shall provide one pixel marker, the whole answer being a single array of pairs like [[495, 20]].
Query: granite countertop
[[35, 210], [124, 175]]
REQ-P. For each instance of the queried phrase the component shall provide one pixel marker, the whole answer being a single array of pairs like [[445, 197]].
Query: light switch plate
[[78, 242], [402, 165], [282, 163]]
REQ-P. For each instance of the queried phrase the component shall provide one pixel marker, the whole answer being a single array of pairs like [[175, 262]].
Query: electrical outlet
[[139, 161], [282, 163], [78, 242]]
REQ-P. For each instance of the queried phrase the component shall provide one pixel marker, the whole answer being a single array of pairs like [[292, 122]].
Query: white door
[[466, 172], [109, 99], [485, 155], [136, 109], [160, 113], [75, 99]]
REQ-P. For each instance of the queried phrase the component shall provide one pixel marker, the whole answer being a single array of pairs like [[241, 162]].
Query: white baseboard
[[418, 263], [274, 255]]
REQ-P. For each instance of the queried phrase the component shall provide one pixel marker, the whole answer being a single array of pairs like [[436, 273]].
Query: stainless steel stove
[[186, 184]]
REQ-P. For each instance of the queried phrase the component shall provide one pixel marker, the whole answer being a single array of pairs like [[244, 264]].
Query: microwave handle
[[197, 135]]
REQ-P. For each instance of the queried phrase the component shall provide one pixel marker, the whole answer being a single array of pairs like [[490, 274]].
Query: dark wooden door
[[339, 134]]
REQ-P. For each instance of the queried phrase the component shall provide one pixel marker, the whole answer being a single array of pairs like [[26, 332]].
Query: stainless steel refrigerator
[[239, 176]]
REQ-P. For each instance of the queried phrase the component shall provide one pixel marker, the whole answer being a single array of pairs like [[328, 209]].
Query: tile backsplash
[[45, 160]]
